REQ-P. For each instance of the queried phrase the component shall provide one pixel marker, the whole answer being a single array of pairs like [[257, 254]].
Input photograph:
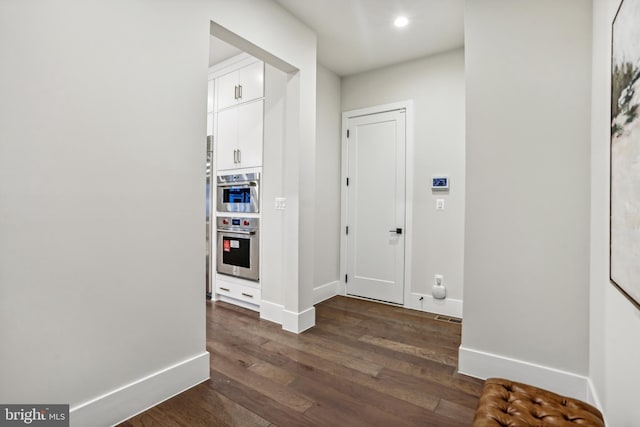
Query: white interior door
[[376, 206]]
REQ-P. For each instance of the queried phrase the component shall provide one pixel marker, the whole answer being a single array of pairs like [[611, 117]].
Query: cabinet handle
[[240, 91], [247, 295], [239, 156], [224, 289], [235, 157], [235, 93]]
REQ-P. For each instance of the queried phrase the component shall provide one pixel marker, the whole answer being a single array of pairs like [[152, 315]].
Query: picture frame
[[624, 207]]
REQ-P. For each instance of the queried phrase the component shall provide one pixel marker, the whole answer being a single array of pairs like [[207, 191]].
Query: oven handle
[[222, 230], [239, 184]]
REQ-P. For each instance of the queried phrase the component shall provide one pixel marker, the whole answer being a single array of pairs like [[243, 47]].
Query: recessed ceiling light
[[401, 21]]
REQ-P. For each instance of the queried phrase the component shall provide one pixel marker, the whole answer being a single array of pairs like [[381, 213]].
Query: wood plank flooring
[[363, 364]]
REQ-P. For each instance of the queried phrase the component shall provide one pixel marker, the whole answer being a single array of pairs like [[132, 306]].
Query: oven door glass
[[236, 195], [236, 251], [237, 255], [238, 198]]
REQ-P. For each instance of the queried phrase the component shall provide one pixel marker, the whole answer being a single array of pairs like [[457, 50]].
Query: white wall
[[102, 189], [436, 85], [526, 295], [327, 191], [614, 353], [273, 257], [102, 186]]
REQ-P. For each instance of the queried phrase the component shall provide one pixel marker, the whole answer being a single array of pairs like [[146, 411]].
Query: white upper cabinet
[[250, 134], [227, 144], [251, 79], [240, 136], [227, 90], [243, 85]]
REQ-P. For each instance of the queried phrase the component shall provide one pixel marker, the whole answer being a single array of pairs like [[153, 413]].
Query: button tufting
[[531, 406]]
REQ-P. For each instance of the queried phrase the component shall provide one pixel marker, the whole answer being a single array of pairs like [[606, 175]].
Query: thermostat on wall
[[440, 183]]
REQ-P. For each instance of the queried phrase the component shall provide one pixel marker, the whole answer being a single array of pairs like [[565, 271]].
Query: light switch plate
[[281, 203], [439, 204]]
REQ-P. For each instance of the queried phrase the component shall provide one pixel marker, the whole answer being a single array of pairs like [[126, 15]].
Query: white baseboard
[[298, 322], [324, 292], [447, 307], [123, 403], [239, 303], [290, 321], [271, 311], [486, 365], [593, 399]]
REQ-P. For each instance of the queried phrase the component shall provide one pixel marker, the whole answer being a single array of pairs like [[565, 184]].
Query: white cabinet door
[[209, 124], [227, 90], [227, 144], [210, 91], [250, 125], [243, 85], [240, 136], [251, 81]]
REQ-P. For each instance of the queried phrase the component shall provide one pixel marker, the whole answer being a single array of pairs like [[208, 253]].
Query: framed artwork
[[624, 226]]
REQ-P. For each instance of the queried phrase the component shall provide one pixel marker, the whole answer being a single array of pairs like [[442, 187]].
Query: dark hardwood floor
[[363, 364]]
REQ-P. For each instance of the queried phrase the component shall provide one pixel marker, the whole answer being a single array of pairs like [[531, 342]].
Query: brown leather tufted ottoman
[[507, 403]]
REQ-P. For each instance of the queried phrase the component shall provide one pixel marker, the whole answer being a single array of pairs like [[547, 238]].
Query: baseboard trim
[[238, 302], [271, 311], [290, 321], [487, 365], [593, 399], [298, 322], [127, 401], [447, 307], [324, 292]]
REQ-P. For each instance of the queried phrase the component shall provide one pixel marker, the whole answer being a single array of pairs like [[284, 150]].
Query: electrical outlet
[[438, 279]]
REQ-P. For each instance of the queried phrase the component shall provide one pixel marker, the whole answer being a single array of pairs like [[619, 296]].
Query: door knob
[[397, 231]]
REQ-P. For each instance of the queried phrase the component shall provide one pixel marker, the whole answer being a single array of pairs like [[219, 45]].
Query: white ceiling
[[358, 35], [220, 50]]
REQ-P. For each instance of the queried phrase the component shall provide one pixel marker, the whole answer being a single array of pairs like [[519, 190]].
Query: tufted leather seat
[[507, 403]]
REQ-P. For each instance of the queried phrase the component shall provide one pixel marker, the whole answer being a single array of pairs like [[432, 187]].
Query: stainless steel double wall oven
[[238, 245]]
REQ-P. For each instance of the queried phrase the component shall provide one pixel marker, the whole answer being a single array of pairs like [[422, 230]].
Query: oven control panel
[[233, 223]]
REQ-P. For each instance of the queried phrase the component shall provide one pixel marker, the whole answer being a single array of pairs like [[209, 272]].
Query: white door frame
[[408, 235]]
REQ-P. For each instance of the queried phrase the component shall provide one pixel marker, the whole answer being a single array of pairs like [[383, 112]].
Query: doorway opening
[[273, 158]]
